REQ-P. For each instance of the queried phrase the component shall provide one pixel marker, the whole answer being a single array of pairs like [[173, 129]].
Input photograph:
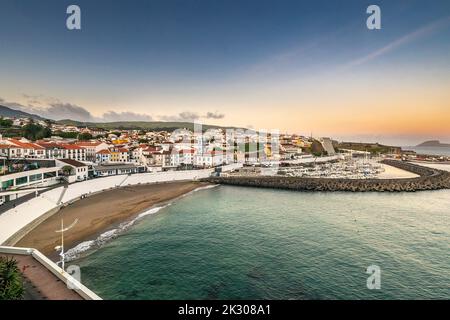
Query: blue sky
[[266, 64]]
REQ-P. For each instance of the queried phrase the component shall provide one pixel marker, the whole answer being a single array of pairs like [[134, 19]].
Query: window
[[49, 174], [21, 180], [8, 183], [36, 177]]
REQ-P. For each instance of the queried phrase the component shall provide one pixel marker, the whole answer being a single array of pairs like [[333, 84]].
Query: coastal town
[[199, 156], [41, 153]]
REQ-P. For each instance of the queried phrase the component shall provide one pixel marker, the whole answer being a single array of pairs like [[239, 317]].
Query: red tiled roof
[[49, 145], [74, 163], [25, 145], [187, 151], [88, 144], [71, 147], [104, 151]]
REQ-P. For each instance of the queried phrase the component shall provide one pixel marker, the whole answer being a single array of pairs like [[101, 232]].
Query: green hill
[[137, 125]]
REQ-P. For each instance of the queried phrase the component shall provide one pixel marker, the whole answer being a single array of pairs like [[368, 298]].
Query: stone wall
[[429, 179]]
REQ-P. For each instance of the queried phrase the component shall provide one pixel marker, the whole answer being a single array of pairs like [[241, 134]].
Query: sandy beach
[[100, 213]]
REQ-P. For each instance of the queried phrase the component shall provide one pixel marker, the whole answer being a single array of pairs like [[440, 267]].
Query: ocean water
[[437, 151], [246, 243]]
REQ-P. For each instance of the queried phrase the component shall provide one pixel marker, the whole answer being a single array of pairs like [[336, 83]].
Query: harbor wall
[[429, 179]]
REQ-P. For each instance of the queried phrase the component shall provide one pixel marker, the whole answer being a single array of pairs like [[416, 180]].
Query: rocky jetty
[[429, 179]]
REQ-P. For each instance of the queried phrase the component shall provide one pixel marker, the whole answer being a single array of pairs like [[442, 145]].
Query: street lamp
[[61, 247]]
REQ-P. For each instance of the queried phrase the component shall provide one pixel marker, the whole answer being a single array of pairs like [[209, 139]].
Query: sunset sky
[[297, 66]]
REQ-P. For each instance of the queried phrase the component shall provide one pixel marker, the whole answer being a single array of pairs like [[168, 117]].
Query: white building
[[103, 156], [13, 148], [92, 148], [182, 157], [63, 151], [79, 170], [210, 159]]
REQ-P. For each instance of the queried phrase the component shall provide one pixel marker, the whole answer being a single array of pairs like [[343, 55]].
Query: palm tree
[[11, 283], [67, 170]]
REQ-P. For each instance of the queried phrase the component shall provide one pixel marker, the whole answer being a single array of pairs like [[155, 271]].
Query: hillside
[[12, 113], [433, 143], [145, 125], [373, 148]]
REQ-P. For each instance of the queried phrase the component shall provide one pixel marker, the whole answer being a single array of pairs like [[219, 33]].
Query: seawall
[[429, 179]]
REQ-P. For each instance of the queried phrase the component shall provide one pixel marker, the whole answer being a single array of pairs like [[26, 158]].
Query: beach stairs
[[123, 181], [61, 196]]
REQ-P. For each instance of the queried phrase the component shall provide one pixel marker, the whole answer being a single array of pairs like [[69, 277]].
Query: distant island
[[433, 143]]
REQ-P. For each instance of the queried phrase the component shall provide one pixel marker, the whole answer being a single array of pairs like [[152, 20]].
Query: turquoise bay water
[[244, 243]]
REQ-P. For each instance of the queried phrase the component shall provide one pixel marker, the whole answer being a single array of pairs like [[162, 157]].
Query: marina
[[344, 169]]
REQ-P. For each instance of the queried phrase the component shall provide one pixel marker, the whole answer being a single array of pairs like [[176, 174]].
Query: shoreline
[[103, 212]]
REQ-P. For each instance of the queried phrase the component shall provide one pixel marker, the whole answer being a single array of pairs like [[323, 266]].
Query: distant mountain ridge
[[130, 125], [13, 113], [434, 143]]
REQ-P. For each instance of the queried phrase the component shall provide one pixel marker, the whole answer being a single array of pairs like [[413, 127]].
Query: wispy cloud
[[297, 56], [182, 116], [214, 115], [52, 108], [192, 116], [112, 116], [410, 37]]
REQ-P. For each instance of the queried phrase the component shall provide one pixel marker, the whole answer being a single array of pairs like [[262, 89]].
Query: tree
[[33, 131], [67, 170], [67, 135], [84, 136], [44, 133], [5, 123], [11, 283]]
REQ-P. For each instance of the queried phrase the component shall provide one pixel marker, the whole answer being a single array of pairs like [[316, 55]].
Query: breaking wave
[[83, 248]]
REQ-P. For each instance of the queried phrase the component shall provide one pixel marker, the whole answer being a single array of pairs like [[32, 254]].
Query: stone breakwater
[[429, 179]]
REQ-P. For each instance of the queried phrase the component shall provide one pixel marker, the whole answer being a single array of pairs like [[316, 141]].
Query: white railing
[[74, 284]]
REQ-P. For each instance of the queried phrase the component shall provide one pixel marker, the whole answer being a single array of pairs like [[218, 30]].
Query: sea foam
[[85, 247], [82, 248]]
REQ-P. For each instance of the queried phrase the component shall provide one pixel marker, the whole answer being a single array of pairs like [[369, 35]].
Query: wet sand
[[101, 212]]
